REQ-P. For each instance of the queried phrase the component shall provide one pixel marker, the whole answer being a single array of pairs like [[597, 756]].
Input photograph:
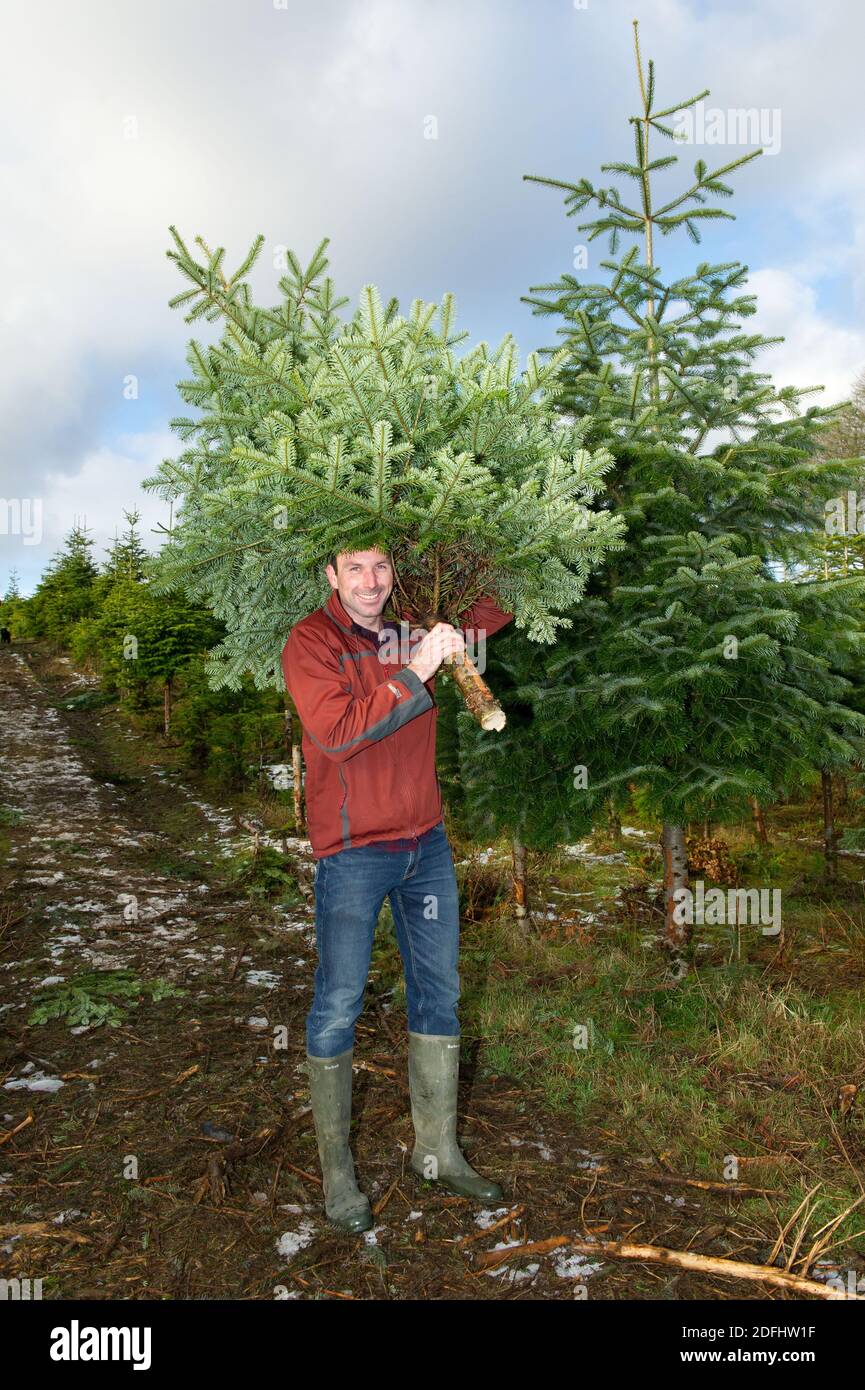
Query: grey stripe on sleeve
[[401, 713]]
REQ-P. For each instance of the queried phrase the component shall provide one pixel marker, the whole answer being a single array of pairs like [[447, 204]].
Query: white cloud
[[95, 497], [107, 480], [817, 351], [308, 121]]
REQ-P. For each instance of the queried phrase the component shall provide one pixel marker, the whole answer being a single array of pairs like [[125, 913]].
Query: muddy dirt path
[[116, 1179]]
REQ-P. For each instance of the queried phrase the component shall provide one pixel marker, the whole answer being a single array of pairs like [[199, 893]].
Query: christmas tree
[[65, 594], [12, 606], [127, 557], [316, 434], [842, 547], [692, 669]]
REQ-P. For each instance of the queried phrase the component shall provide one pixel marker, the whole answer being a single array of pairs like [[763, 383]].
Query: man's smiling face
[[363, 581]]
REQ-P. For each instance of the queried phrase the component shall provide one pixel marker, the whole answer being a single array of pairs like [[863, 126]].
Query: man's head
[[363, 579]]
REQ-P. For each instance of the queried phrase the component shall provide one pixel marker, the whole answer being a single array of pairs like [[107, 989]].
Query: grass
[[737, 1070], [265, 874], [88, 700], [743, 1061]]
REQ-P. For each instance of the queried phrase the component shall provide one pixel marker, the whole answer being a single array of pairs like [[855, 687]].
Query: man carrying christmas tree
[[374, 814]]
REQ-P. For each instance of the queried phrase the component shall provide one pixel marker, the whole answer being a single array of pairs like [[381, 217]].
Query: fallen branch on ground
[[658, 1254]]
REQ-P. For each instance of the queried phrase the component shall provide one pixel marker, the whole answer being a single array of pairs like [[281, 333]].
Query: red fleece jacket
[[369, 729]]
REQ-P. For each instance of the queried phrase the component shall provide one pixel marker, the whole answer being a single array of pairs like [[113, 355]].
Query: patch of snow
[[486, 1218], [592, 1159], [266, 978], [583, 853], [574, 1267], [511, 1275], [535, 1143], [291, 1241], [38, 1082]]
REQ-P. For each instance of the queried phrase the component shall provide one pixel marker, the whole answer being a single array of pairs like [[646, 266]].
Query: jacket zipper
[[410, 789], [413, 807], [406, 782]]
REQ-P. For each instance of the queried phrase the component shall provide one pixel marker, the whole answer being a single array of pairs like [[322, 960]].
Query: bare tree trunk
[[614, 821], [294, 734], [830, 838], [518, 854], [759, 821], [166, 706], [677, 935], [287, 747]]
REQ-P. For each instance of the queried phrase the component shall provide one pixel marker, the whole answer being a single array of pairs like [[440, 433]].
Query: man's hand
[[439, 642]]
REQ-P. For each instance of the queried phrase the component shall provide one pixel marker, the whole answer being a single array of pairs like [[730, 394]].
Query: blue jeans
[[350, 887]]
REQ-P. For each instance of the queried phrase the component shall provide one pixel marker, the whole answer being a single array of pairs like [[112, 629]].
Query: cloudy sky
[[301, 120]]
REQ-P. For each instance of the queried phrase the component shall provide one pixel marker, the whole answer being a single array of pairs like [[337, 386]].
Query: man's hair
[[332, 558]]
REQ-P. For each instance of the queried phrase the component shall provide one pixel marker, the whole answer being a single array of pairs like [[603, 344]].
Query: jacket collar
[[336, 612]]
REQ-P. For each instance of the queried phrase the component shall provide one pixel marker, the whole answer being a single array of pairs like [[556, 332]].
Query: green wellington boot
[[433, 1074], [330, 1081]]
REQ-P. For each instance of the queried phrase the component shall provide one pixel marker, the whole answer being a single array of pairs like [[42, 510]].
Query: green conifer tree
[[315, 434], [127, 556], [137, 638], [692, 669], [12, 605], [65, 593], [842, 545]]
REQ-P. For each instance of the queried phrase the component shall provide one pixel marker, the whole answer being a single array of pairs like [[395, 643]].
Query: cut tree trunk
[[518, 852], [614, 821], [677, 935], [480, 700], [830, 839], [166, 706], [759, 821]]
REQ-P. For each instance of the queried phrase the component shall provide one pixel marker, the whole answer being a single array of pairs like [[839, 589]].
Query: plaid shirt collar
[[375, 636]]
